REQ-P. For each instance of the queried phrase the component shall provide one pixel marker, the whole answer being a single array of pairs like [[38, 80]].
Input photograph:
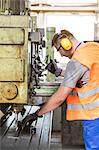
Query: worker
[[82, 75]]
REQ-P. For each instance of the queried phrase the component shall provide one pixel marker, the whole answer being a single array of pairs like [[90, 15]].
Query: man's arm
[[74, 72], [55, 100]]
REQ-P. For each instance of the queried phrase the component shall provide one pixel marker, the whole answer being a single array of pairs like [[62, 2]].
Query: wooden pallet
[[27, 139]]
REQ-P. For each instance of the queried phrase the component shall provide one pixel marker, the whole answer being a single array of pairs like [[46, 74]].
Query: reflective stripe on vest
[[88, 93], [87, 105], [81, 106]]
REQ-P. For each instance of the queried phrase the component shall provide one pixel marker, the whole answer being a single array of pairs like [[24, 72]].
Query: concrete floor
[[57, 145]]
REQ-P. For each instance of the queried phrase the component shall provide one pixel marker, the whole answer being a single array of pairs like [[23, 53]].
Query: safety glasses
[[59, 48]]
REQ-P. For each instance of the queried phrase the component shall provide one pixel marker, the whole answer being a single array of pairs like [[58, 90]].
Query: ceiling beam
[[92, 9]]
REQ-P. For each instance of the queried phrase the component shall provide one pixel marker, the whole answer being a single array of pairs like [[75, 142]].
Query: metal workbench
[[37, 137]]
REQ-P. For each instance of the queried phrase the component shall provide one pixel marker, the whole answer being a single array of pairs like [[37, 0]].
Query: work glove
[[30, 118], [53, 68], [26, 122]]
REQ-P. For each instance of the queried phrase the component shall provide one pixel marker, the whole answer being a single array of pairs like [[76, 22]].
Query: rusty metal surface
[[9, 91], [36, 137]]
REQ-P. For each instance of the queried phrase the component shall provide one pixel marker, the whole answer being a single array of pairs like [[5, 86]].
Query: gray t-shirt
[[75, 72]]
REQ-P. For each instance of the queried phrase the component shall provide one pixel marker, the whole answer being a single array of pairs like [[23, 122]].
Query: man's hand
[[53, 68], [29, 119]]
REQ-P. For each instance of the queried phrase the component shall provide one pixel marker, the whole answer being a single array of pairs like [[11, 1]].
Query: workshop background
[[26, 30]]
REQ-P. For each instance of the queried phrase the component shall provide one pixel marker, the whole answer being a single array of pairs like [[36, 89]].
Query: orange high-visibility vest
[[85, 106]]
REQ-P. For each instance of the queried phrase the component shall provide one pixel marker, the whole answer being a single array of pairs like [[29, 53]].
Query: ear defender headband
[[65, 42]]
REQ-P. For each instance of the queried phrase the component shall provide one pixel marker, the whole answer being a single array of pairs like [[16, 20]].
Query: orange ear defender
[[66, 44]]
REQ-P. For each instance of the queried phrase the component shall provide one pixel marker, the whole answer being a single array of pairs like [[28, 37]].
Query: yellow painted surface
[[21, 97], [14, 21], [10, 51], [9, 91], [11, 69], [12, 36], [14, 59]]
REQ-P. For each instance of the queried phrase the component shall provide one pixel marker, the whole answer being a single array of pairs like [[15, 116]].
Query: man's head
[[64, 42]]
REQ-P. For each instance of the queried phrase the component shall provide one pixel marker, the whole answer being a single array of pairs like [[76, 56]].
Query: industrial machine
[[22, 71], [13, 59], [23, 78]]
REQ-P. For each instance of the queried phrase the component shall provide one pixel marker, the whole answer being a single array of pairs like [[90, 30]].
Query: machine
[[23, 78], [22, 71]]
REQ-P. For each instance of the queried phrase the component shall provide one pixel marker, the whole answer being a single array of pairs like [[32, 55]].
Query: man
[[81, 74]]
